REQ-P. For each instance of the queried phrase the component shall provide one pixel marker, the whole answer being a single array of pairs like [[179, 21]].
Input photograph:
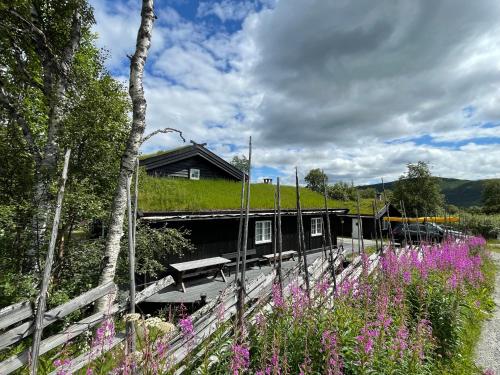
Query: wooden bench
[[251, 258], [198, 267], [284, 255]]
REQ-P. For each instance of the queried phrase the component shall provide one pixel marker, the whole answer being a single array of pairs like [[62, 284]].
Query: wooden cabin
[[194, 162], [216, 232]]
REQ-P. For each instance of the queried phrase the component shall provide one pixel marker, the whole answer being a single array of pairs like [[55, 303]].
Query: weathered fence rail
[[17, 313]]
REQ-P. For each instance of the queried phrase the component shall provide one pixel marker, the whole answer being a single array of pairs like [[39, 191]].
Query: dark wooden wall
[[218, 236], [181, 169]]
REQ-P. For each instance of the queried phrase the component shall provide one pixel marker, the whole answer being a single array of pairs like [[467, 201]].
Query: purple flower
[[241, 358]]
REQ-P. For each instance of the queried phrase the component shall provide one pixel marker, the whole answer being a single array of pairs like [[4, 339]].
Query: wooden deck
[[211, 287]]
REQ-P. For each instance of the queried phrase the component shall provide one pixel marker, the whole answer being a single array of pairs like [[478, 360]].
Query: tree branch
[[15, 115], [163, 131], [41, 37]]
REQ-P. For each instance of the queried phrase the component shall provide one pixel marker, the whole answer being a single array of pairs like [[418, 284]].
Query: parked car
[[416, 232]]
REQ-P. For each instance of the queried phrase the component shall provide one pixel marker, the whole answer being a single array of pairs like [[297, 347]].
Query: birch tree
[[39, 40], [129, 157]]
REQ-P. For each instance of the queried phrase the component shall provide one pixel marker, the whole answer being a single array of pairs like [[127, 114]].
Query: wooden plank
[[15, 313], [84, 359], [153, 288], [235, 254], [284, 254], [200, 263], [15, 362], [25, 329]]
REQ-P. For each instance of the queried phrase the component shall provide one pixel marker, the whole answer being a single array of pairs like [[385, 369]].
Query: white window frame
[[260, 234], [316, 226], [194, 177]]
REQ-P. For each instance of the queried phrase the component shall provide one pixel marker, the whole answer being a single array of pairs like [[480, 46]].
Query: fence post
[[131, 260], [42, 299]]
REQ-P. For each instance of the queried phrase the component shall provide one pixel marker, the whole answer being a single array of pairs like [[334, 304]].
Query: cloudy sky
[[358, 88]]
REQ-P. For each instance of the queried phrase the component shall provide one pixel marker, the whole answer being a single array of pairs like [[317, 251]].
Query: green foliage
[[240, 162], [368, 193], [342, 191], [418, 190], [153, 247], [316, 180], [94, 124], [491, 197], [487, 226], [168, 194]]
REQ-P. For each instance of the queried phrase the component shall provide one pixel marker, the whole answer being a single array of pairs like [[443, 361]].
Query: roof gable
[[169, 157]]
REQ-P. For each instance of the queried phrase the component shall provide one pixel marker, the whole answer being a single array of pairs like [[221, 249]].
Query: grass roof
[[168, 194]]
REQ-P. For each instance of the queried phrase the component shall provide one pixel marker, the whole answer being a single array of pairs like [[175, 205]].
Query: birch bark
[[129, 157]]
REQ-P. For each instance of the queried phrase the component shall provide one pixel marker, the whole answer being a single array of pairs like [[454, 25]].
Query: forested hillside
[[461, 193]]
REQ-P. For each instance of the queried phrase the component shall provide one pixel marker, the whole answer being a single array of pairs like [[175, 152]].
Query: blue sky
[[356, 88]]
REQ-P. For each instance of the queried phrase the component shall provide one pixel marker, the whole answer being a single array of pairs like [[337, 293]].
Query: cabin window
[[262, 231], [316, 227], [194, 174]]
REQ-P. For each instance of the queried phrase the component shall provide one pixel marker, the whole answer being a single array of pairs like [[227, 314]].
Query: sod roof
[[167, 194]]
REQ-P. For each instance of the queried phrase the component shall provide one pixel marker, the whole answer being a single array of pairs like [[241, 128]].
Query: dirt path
[[488, 349]]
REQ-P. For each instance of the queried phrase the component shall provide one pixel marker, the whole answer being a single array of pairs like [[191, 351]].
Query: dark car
[[416, 233]]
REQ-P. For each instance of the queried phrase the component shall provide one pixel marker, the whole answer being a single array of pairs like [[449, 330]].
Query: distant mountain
[[461, 193]]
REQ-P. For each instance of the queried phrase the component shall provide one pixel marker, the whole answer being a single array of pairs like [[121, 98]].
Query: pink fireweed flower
[[322, 287], [366, 340], [278, 300], [104, 334], [300, 300], [329, 346], [401, 341], [187, 327], [240, 360], [62, 366]]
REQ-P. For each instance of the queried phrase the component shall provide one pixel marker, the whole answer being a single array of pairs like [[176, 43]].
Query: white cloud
[[324, 84]]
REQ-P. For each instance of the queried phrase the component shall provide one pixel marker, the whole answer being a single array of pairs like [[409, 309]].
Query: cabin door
[[355, 228]]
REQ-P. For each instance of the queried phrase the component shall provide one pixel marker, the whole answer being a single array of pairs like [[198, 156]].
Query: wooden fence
[[22, 315], [205, 320]]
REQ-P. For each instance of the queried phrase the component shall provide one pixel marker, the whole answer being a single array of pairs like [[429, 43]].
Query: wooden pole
[[240, 229], [274, 231], [375, 225], [302, 242], [241, 291], [419, 236], [329, 233], [380, 221], [131, 260], [280, 239], [136, 199], [391, 236], [360, 227], [49, 260]]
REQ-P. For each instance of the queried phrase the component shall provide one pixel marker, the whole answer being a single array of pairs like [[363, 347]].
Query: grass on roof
[[169, 194], [161, 152]]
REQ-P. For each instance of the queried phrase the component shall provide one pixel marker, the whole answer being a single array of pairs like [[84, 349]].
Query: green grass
[[167, 194]]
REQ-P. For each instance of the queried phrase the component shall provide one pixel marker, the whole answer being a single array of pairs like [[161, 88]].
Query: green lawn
[[167, 194]]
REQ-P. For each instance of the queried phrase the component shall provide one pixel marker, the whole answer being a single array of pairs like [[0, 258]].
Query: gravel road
[[488, 349]]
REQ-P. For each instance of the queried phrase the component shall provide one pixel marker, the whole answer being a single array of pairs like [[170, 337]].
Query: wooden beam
[[25, 329], [42, 298], [15, 313]]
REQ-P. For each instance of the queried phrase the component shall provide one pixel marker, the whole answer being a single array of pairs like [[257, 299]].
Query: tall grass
[[168, 194]]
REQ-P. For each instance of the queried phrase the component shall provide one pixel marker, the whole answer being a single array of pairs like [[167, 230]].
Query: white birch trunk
[[56, 82], [136, 91]]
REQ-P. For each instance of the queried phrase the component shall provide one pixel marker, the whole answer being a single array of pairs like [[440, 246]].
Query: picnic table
[[252, 257], [198, 267], [284, 255]]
